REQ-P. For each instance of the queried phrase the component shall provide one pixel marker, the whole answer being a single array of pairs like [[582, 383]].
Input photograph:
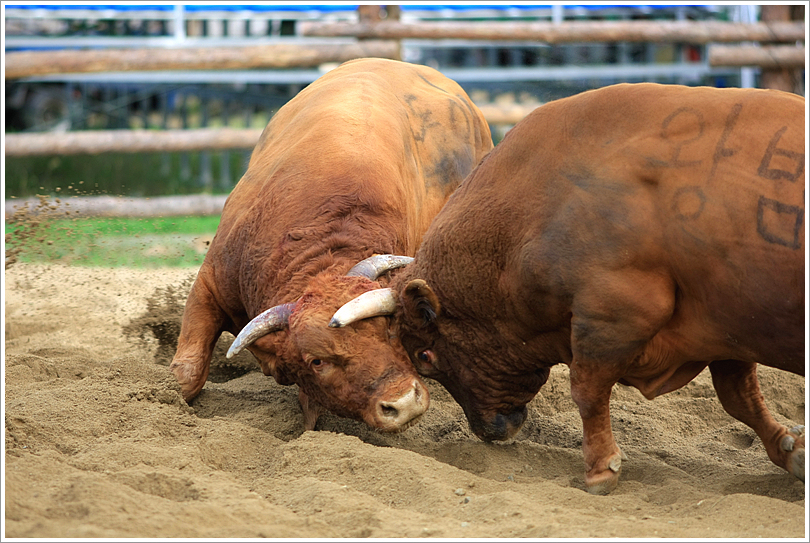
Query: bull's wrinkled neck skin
[[474, 344], [493, 356], [323, 252], [280, 273]]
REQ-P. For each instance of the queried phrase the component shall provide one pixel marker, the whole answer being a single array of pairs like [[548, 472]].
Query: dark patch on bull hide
[[688, 121], [465, 114], [585, 179], [451, 168], [791, 158]]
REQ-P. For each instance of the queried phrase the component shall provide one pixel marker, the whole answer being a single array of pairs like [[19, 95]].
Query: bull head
[[277, 318]]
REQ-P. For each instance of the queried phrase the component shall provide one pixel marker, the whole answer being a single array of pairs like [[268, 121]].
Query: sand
[[98, 443]]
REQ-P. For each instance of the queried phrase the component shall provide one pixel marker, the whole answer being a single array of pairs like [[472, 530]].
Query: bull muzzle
[[396, 414], [498, 428]]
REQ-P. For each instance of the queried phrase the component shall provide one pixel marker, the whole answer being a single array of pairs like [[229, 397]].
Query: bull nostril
[[388, 411], [394, 413]]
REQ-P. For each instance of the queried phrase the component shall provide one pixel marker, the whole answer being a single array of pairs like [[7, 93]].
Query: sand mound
[[100, 444]]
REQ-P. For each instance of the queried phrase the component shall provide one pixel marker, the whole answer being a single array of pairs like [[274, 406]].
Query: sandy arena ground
[[100, 444]]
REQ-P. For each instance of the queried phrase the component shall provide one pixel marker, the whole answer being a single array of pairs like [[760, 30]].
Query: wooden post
[[369, 14], [782, 77], [373, 15]]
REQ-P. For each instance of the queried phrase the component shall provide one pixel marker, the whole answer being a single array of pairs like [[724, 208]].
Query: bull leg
[[201, 327], [612, 322], [312, 410], [603, 458], [738, 390]]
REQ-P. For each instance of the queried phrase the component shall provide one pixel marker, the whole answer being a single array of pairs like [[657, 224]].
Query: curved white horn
[[373, 303], [374, 266], [271, 320]]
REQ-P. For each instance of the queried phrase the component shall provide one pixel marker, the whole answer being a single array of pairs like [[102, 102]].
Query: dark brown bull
[[358, 163], [638, 234]]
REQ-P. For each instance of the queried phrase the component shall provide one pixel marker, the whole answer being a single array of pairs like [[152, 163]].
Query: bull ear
[[420, 302]]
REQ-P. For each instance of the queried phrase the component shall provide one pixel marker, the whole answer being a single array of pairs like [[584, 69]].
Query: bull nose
[[394, 414], [501, 427]]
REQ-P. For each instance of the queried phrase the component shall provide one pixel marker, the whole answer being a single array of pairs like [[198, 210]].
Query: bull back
[[375, 144]]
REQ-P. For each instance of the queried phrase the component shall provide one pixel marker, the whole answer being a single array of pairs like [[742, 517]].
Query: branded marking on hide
[[779, 223], [775, 174], [720, 151], [424, 116], [688, 203], [699, 125]]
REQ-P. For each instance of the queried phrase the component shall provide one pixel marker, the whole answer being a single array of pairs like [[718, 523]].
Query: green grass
[[131, 242]]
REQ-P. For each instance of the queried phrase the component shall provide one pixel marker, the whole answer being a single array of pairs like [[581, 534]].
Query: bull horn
[[373, 303], [272, 320], [374, 266]]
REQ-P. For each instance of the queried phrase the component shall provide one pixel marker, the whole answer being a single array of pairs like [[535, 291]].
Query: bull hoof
[[187, 378], [311, 409], [603, 482], [793, 443]]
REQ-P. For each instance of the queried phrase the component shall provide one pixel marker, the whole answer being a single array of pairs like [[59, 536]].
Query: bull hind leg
[[738, 390], [201, 327]]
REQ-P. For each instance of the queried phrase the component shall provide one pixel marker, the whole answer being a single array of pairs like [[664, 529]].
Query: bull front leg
[[614, 317], [201, 327], [312, 410], [591, 390], [738, 390]]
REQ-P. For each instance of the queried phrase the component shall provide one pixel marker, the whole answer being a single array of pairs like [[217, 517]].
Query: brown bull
[[358, 163], [638, 234]]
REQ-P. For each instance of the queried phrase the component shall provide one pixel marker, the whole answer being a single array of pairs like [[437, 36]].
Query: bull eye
[[426, 356], [317, 364], [425, 362]]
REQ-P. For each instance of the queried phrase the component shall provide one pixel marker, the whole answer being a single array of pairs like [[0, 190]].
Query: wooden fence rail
[[117, 206], [129, 141], [378, 39], [766, 56], [144, 141], [693, 32], [33, 63]]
